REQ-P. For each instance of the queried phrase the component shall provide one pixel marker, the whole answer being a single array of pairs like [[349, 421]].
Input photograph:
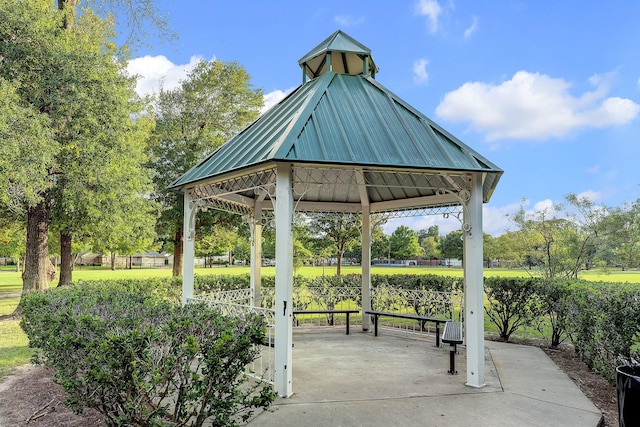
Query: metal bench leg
[[347, 323], [375, 325], [452, 359], [437, 334]]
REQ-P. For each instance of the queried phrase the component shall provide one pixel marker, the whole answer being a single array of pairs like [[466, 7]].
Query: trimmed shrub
[[427, 282], [125, 350], [224, 282], [605, 324], [555, 300], [513, 302]]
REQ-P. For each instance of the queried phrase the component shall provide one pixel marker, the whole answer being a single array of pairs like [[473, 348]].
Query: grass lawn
[[13, 346]]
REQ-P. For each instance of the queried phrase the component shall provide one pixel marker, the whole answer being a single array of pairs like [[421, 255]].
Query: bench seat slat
[[452, 333]]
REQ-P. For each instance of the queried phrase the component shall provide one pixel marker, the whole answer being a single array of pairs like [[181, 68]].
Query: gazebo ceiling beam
[[416, 203], [231, 197]]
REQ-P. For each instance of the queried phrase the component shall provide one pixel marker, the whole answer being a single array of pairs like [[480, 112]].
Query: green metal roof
[[339, 119]]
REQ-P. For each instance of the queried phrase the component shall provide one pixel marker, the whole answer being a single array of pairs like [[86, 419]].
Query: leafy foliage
[[213, 103], [78, 166], [605, 324], [554, 297], [141, 360], [513, 303], [404, 243], [451, 246]]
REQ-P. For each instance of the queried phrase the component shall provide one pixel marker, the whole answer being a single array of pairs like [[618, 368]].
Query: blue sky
[[548, 90]]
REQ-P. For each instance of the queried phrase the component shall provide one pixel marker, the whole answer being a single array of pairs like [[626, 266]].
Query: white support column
[[256, 256], [473, 285], [188, 249], [284, 281], [366, 265]]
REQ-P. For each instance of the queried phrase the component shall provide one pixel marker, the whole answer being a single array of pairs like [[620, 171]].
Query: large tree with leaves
[[213, 103], [562, 240], [67, 73], [451, 245], [341, 229], [404, 243]]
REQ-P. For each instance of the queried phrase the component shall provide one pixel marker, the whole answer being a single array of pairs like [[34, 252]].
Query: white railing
[[263, 366], [445, 305], [235, 303], [238, 296]]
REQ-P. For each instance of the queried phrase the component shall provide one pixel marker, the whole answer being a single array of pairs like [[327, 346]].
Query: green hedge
[[601, 319], [604, 324], [128, 350]]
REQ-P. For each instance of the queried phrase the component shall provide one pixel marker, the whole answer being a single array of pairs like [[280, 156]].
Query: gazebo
[[341, 142]]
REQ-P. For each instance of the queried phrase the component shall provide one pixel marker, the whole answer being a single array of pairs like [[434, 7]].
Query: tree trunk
[[66, 259], [339, 268], [70, 14], [177, 254], [37, 266]]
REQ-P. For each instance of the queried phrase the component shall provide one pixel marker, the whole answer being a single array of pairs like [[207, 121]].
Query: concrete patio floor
[[400, 379]]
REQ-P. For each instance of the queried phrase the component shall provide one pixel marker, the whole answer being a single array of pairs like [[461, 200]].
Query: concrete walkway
[[399, 379]]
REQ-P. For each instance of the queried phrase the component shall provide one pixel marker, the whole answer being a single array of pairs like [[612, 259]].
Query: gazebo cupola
[[341, 54]]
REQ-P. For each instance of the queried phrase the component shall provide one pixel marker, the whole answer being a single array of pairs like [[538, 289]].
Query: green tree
[[428, 239], [67, 72], [490, 249], [451, 245], [404, 243], [380, 246], [220, 241], [623, 245], [12, 242], [212, 104], [562, 241], [341, 229]]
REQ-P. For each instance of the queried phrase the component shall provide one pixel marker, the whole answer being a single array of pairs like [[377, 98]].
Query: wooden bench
[[452, 335], [331, 312], [421, 319]]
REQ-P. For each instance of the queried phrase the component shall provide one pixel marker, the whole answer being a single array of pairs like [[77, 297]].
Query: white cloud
[[592, 195], [534, 106], [432, 10], [273, 97], [420, 75], [157, 71], [496, 219], [348, 21], [594, 169], [542, 206], [472, 29]]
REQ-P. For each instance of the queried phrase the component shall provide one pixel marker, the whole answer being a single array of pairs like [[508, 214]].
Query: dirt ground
[[30, 398]]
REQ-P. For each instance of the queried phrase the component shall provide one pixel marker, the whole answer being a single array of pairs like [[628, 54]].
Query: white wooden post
[[473, 285], [188, 249], [284, 282], [256, 256], [366, 265]]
